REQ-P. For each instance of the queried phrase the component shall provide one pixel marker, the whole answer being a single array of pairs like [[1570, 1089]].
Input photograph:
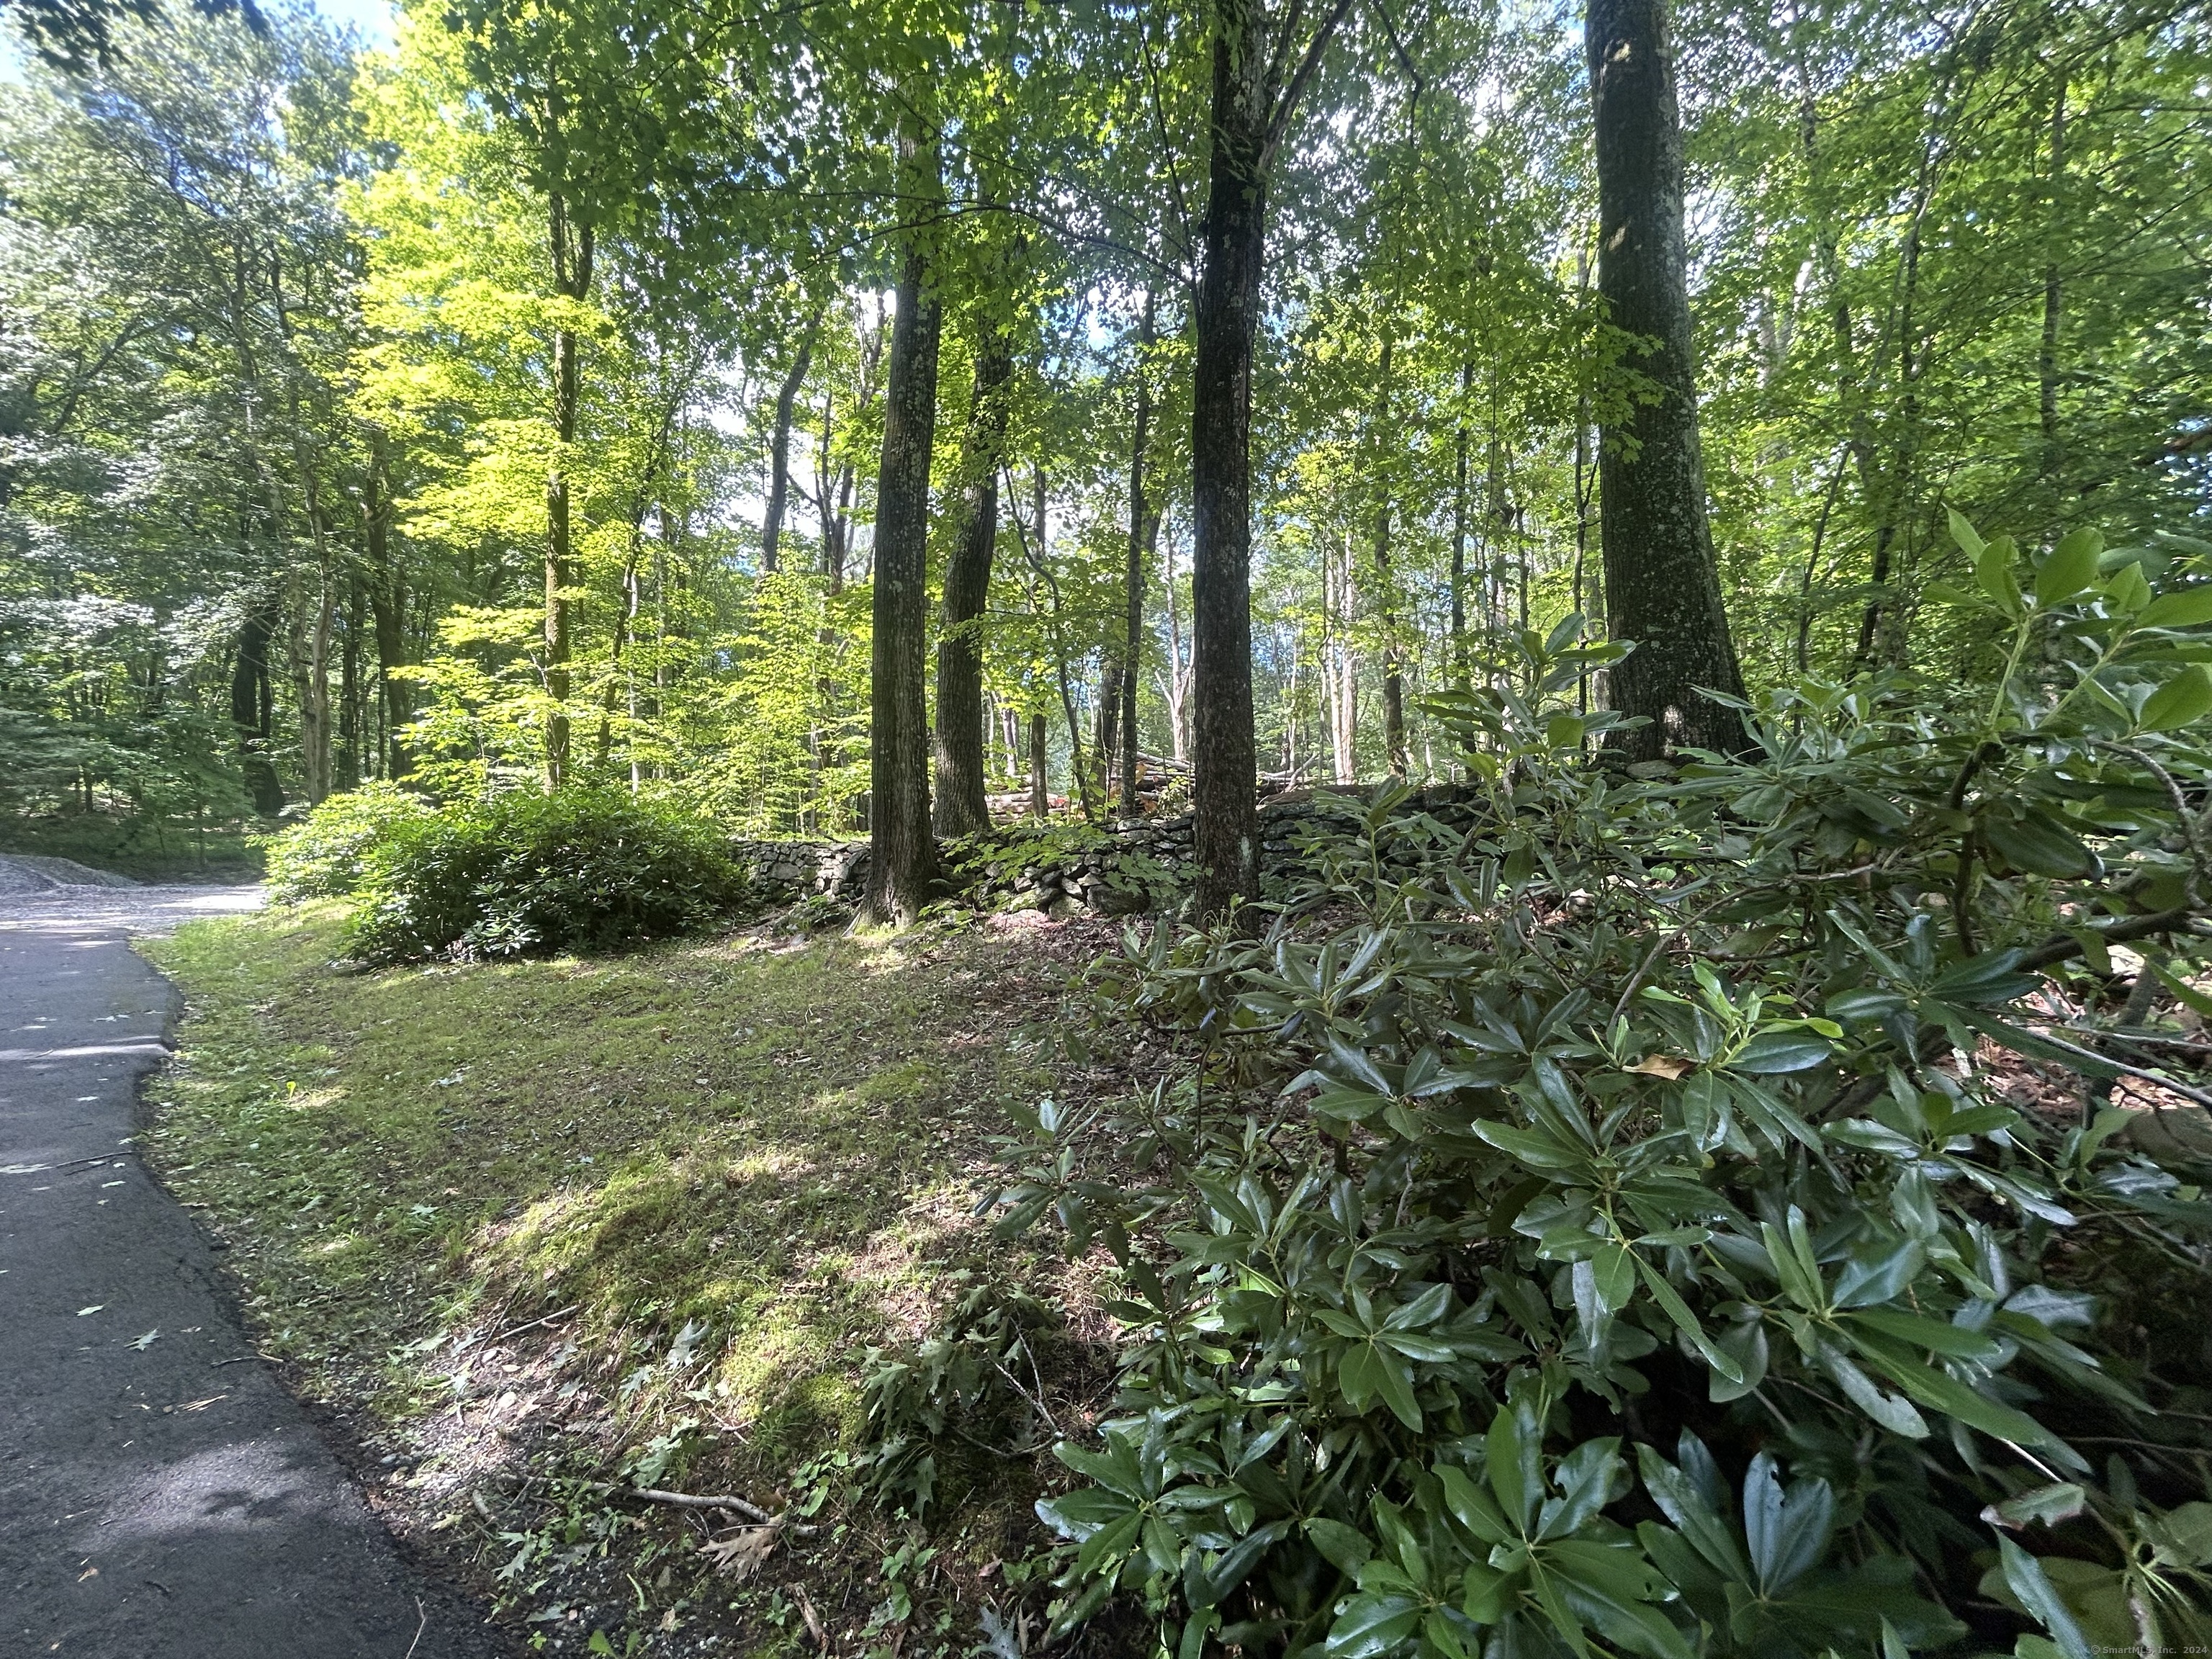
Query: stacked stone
[[1083, 882]]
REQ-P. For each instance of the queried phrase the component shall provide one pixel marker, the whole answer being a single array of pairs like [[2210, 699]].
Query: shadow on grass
[[776, 1148]]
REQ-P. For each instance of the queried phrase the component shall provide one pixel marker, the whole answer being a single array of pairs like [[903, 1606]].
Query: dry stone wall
[[1118, 870]]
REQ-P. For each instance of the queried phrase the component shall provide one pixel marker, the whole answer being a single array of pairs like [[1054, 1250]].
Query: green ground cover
[[725, 1169]]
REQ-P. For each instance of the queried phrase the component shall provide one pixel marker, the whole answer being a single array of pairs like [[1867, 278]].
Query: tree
[[1662, 591], [961, 809], [902, 863], [1257, 86]]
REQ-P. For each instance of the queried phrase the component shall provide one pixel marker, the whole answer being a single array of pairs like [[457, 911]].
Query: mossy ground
[[725, 1169]]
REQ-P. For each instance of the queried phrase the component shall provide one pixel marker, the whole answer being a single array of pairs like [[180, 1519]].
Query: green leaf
[[1077, 1514], [2045, 1506], [1347, 1548], [1993, 570], [1896, 1415], [1934, 1334], [1373, 1624], [1772, 1053], [1679, 1499], [2182, 700], [1787, 1532], [1687, 1322], [1942, 1392], [2182, 1537], [1963, 532], [1513, 1464], [2185, 993], [2035, 842], [2071, 567], [1360, 1375], [1866, 1280], [1532, 1146], [1485, 1593], [1108, 1544], [1472, 1506], [2191, 607], [1395, 1380], [2025, 1577]]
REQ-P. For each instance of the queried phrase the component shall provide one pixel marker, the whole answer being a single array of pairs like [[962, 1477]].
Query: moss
[[776, 1145]]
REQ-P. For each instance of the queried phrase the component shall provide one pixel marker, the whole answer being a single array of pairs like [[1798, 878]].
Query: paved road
[[160, 1498]]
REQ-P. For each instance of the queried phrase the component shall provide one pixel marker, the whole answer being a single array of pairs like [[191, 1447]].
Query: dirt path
[[159, 1495]]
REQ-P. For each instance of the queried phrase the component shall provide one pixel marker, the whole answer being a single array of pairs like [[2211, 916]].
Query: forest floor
[[536, 1230]]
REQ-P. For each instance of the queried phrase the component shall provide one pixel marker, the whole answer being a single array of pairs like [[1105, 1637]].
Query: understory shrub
[[324, 855], [1626, 1227], [524, 873]]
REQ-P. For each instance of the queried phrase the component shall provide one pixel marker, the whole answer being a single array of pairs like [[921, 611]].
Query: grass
[[725, 1169]]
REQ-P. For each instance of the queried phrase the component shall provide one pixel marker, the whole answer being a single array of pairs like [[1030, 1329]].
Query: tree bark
[[2046, 361], [1144, 528], [348, 757], [572, 251], [253, 708], [1040, 783], [1394, 680], [1225, 763], [903, 865], [961, 808], [1459, 534], [387, 601], [778, 467], [1661, 586]]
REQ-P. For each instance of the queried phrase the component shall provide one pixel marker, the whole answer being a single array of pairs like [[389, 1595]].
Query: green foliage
[[1576, 1234], [326, 854], [524, 874], [967, 1385]]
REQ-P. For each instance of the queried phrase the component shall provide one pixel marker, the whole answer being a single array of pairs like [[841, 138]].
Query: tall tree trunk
[[1394, 679], [348, 766], [1224, 761], [1040, 783], [2046, 361], [1106, 731], [778, 459], [903, 864], [1661, 586], [254, 706], [1174, 682], [387, 601], [961, 808], [1459, 534], [1144, 531], [308, 619], [1891, 492], [571, 248]]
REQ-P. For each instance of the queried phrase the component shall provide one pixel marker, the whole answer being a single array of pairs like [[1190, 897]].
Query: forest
[[1634, 581], [527, 401]]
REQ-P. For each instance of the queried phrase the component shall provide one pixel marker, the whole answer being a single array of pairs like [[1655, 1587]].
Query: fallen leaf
[[1664, 1065], [742, 1553], [148, 1340], [93, 1309], [668, 1620]]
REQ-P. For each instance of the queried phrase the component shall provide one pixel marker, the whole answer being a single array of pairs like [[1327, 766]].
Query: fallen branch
[[2065, 946], [686, 1500], [2123, 1069], [531, 1325]]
